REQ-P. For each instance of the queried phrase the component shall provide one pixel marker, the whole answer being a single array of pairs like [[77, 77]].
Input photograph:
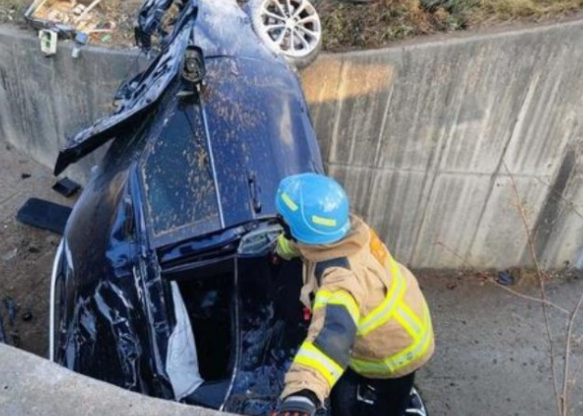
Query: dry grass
[[12, 11], [377, 23], [533, 9]]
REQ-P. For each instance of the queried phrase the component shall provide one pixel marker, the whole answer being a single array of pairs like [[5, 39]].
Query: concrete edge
[[30, 385]]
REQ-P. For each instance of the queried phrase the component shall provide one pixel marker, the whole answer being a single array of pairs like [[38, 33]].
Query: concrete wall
[[30, 385], [43, 101], [431, 140]]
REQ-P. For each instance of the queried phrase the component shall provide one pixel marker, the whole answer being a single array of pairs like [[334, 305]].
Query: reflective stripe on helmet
[[289, 202], [327, 222], [310, 356]]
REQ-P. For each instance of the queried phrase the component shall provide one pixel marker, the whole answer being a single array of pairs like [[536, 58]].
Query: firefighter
[[370, 328]]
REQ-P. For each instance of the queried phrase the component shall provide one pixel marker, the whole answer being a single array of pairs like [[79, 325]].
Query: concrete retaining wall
[[45, 100], [433, 141], [30, 385]]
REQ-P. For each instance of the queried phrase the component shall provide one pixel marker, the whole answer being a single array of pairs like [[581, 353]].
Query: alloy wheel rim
[[292, 27]]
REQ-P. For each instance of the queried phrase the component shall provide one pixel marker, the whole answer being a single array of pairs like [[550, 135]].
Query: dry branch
[[565, 397], [543, 294], [574, 378]]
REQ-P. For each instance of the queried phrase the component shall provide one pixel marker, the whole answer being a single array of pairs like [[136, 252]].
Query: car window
[[177, 176]]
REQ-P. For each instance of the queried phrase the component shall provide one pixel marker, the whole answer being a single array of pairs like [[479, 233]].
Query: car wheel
[[290, 28]]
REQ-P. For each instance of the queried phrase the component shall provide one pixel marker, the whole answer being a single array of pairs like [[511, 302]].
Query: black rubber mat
[[44, 214]]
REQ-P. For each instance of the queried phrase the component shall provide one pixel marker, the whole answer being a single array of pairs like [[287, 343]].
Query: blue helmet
[[315, 207]]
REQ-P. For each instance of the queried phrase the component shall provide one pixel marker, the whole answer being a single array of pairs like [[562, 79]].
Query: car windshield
[[177, 177]]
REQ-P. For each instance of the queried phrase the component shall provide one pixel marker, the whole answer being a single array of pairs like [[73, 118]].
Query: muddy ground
[[25, 253], [492, 353]]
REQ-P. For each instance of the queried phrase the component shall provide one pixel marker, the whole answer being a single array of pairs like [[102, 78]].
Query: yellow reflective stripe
[[340, 297], [384, 311], [396, 362], [285, 248], [417, 349], [328, 222], [407, 318], [310, 356], [289, 202], [371, 367], [412, 316]]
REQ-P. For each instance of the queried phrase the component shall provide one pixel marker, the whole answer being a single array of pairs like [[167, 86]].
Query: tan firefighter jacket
[[368, 313]]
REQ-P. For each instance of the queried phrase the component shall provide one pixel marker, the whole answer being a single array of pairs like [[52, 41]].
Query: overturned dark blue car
[[163, 282]]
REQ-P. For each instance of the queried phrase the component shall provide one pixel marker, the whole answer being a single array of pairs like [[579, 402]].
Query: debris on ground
[[81, 39], [105, 22], [505, 278], [66, 187], [69, 17], [27, 316], [44, 214]]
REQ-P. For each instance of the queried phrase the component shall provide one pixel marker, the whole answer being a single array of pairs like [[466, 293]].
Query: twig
[[568, 355], [507, 289], [574, 379], [542, 291]]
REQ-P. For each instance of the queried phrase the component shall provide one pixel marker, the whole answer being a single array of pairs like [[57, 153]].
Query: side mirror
[[193, 68]]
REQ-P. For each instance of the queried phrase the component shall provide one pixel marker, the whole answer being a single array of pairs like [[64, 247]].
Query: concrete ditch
[[492, 353]]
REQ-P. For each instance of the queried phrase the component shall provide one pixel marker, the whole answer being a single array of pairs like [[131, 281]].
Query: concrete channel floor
[[492, 354]]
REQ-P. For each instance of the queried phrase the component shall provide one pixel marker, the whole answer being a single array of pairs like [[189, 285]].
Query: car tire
[[290, 28]]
